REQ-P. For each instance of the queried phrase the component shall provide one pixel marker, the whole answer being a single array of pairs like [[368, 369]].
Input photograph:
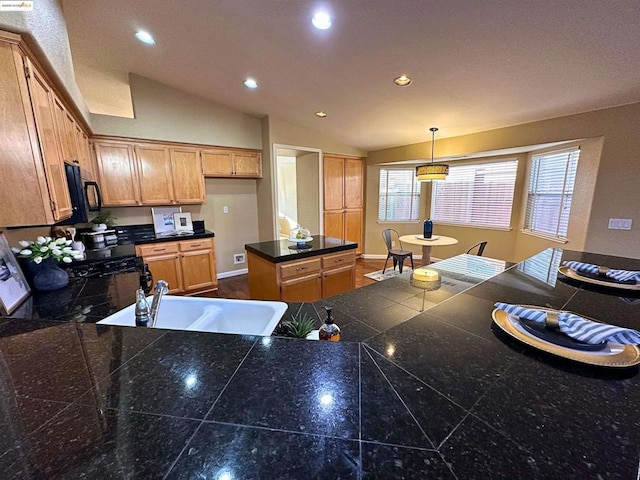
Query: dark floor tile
[[382, 462], [358, 303], [22, 416], [356, 331], [85, 442], [456, 363], [619, 309], [181, 374], [386, 317], [295, 385], [475, 451], [580, 420], [384, 416], [64, 361], [223, 451], [436, 415]]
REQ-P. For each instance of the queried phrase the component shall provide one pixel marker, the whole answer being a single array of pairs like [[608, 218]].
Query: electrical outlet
[[620, 224], [238, 258], [225, 209], [393, 244]]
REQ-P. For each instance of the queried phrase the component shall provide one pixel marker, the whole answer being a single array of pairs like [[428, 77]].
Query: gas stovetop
[[106, 261]]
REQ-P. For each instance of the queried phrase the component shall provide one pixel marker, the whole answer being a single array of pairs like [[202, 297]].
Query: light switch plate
[[225, 209], [620, 224]]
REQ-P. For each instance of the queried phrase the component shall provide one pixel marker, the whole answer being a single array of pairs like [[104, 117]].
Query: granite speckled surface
[[407, 394], [278, 250]]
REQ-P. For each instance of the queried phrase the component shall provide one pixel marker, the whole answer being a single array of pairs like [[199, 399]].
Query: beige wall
[[607, 185], [278, 131], [165, 113], [45, 31], [307, 181]]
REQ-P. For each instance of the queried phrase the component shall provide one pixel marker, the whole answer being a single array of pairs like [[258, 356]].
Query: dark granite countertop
[[176, 238], [279, 250], [438, 394]]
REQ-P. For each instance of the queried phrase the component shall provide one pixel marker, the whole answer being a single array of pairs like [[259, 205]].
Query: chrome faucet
[[161, 288]]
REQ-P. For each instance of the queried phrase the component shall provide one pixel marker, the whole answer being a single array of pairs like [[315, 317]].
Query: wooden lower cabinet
[[305, 280], [188, 266]]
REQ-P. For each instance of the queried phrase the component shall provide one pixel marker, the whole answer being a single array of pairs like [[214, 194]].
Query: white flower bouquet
[[47, 247]]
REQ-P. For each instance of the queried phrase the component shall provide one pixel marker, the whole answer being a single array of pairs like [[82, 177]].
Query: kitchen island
[[439, 394], [303, 271]]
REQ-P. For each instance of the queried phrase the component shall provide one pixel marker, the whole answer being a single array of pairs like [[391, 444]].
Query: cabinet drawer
[[157, 249], [298, 269], [202, 244], [338, 260]]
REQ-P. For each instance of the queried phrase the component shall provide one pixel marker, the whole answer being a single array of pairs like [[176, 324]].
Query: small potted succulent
[[300, 326]]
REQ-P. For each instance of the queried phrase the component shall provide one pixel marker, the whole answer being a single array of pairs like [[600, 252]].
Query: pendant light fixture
[[432, 171]]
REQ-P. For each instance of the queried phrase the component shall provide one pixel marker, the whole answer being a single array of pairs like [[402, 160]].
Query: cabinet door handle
[[301, 268], [339, 260], [196, 245], [158, 249]]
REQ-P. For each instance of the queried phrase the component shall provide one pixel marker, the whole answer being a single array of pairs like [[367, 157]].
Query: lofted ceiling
[[475, 65]]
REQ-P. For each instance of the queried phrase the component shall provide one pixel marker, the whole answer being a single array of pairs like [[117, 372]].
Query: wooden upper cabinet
[[353, 182], [154, 167], [247, 164], [188, 179], [228, 162], [27, 194], [85, 159], [118, 176], [41, 102], [333, 182]]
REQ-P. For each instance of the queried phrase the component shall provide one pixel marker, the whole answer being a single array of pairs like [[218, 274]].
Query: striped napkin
[[577, 327], [617, 275]]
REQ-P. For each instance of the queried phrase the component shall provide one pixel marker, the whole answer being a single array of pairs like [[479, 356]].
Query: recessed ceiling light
[[321, 114], [402, 81], [145, 37], [250, 83], [321, 20]]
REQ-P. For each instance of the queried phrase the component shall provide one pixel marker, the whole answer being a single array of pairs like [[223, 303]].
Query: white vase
[[99, 227]]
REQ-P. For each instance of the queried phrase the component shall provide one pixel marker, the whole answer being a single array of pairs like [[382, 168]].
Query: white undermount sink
[[221, 315]]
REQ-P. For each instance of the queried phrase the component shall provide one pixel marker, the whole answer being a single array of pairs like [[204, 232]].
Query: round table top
[[436, 242]]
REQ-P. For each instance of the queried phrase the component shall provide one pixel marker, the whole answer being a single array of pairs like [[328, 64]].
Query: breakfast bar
[[444, 393]]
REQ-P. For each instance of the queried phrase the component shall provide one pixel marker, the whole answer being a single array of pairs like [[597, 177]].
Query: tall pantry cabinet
[[343, 185], [33, 187]]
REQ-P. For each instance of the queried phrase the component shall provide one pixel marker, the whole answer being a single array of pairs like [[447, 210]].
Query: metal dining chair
[[480, 246], [398, 255]]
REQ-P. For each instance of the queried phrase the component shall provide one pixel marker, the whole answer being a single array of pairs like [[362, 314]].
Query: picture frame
[[14, 288], [163, 222], [182, 222]]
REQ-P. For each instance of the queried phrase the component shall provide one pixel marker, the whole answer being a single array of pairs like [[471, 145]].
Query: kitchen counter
[[438, 394], [278, 251]]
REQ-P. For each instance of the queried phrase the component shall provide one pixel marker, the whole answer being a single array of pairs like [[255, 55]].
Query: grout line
[[446, 397], [173, 464], [403, 402], [360, 411]]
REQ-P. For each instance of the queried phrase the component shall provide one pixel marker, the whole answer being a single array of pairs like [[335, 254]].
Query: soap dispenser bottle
[[329, 330], [142, 309]]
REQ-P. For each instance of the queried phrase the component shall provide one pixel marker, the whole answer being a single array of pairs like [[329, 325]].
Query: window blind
[[478, 195], [551, 182], [399, 194]]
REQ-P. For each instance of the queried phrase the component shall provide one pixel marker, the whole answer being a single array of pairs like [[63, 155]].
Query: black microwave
[[85, 196]]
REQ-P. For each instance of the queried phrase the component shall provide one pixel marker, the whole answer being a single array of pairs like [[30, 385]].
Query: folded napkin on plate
[[576, 327], [617, 275]]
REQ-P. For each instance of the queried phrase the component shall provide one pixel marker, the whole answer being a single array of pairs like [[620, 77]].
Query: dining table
[[427, 243]]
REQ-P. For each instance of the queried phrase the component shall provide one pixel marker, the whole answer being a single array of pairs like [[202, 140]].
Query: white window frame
[[414, 194], [566, 187], [475, 168]]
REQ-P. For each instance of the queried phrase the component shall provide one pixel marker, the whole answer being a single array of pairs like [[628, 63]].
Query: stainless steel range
[[107, 261]]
